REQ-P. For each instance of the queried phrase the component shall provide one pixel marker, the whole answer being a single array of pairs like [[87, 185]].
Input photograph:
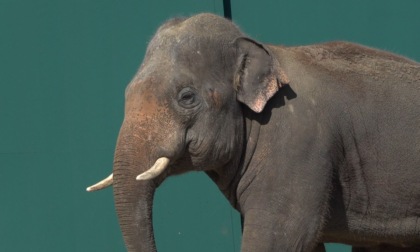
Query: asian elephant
[[310, 144]]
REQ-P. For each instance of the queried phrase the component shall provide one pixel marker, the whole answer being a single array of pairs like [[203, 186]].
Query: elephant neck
[[252, 131], [252, 127], [229, 177]]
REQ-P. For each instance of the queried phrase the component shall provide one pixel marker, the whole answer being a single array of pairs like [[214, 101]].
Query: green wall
[[64, 66]]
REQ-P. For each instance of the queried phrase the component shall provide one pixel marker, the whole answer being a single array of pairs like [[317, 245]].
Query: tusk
[[101, 184], [155, 170]]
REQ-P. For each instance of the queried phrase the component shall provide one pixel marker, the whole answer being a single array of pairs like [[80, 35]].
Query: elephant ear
[[258, 75]]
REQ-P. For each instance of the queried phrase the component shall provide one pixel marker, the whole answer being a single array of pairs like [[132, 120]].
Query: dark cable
[[227, 10]]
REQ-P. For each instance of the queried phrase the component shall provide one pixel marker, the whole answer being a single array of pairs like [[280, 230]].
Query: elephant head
[[184, 112]]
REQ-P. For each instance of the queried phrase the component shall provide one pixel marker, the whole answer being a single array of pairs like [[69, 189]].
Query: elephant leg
[[364, 249], [265, 232], [287, 218], [385, 248]]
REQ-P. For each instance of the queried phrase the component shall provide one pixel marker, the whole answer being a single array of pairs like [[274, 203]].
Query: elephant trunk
[[133, 198]]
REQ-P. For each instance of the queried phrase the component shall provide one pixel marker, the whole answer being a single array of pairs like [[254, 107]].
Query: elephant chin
[[160, 165]]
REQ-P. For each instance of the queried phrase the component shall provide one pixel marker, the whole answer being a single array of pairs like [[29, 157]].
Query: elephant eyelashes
[[187, 98]]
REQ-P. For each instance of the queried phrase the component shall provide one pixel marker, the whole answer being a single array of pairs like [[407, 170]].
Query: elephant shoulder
[[347, 59], [355, 52]]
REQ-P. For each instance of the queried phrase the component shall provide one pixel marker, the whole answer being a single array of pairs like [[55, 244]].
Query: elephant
[[311, 144]]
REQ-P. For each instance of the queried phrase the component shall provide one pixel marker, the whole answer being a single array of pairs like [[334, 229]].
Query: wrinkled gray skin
[[311, 144]]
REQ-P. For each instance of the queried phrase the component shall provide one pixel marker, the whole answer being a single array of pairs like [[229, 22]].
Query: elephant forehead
[[193, 48], [170, 51], [148, 90], [193, 51], [152, 78], [144, 102], [164, 44], [148, 113], [150, 117], [161, 70]]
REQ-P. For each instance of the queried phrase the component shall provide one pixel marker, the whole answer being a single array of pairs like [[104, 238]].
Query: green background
[[64, 66]]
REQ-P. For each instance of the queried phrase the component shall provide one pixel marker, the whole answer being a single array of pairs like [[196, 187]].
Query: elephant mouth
[[158, 168]]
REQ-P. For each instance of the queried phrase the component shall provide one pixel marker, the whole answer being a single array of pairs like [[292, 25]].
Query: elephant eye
[[187, 98]]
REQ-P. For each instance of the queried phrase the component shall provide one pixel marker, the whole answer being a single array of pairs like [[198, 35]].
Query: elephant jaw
[[160, 165]]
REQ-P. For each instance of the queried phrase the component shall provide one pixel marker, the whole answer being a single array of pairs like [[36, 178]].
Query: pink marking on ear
[[259, 104], [265, 94], [284, 80], [281, 75], [272, 86]]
